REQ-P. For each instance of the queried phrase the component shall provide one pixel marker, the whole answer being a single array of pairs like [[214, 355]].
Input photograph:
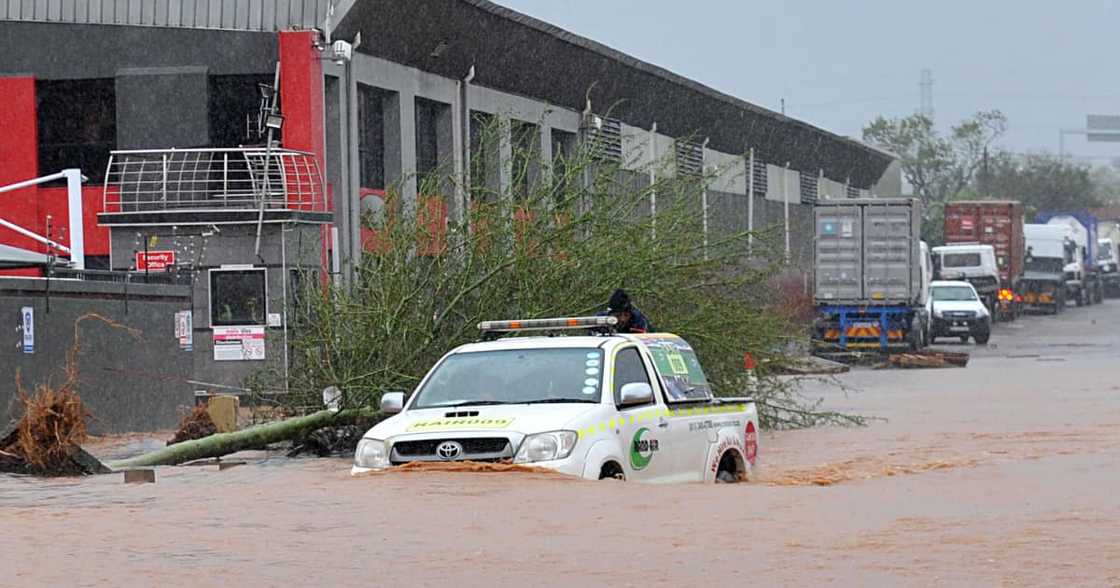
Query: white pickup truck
[[635, 407]]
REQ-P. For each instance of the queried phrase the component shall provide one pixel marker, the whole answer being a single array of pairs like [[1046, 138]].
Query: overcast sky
[[838, 64]]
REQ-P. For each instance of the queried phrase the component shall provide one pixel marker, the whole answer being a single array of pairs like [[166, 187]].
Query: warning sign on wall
[[238, 343], [184, 330]]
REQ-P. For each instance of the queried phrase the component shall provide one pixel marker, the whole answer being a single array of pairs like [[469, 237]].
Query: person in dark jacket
[[630, 319]]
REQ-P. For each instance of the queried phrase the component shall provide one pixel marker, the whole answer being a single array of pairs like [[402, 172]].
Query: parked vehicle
[[998, 223], [958, 311], [1050, 249], [975, 264], [636, 407], [1083, 279], [1108, 258], [871, 275]]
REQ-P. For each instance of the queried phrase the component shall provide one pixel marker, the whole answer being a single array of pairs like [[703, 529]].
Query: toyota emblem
[[449, 450]]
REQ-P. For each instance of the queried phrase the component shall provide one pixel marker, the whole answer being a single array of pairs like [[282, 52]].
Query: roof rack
[[601, 324]]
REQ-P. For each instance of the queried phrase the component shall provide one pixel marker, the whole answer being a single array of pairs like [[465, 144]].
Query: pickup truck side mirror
[[636, 393], [392, 402]]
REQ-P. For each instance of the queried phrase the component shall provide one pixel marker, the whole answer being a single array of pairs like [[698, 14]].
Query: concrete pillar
[[546, 154], [400, 146], [505, 155], [458, 193]]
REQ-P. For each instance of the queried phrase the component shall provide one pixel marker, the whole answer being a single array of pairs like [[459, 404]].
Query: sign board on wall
[[154, 261], [28, 315], [238, 343], [184, 329]]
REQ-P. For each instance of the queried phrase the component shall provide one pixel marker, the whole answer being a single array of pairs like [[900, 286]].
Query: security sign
[[154, 261]]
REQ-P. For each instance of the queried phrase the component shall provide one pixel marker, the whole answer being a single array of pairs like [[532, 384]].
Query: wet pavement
[[1003, 473]]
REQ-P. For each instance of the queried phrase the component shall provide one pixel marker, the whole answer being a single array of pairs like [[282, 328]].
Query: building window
[[564, 145], [484, 148], [371, 136], [77, 125], [238, 297], [433, 136], [525, 139], [233, 106]]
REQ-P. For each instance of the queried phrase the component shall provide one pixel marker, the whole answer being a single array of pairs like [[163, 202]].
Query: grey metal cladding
[[241, 15]]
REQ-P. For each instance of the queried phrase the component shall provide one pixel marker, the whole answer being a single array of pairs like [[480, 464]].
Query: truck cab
[[1050, 251], [972, 263], [606, 405]]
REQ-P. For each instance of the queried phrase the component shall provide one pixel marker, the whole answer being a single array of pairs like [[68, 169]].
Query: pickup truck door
[[690, 426], [643, 430]]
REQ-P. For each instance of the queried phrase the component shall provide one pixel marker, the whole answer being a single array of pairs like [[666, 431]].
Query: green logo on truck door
[[642, 450]]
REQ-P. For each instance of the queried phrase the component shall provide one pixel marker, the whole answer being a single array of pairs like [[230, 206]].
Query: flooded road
[[1003, 473]]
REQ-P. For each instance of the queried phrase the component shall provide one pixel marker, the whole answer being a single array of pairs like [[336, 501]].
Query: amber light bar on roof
[[549, 324]]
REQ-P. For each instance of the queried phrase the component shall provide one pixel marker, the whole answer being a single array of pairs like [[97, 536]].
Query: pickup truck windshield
[[517, 376], [952, 294], [960, 260]]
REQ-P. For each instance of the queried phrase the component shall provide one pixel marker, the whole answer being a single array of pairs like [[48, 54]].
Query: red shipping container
[[998, 223]]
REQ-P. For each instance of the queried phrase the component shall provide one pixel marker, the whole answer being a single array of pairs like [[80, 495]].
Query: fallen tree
[[250, 438]]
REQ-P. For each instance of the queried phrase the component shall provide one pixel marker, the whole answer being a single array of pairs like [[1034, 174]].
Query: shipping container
[[998, 223], [868, 252]]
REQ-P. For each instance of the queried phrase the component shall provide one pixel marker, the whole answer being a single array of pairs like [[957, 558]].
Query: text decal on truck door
[[642, 450]]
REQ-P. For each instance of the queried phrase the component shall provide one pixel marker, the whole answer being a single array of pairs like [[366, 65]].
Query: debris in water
[[47, 439], [146, 476], [195, 425], [330, 441], [929, 359]]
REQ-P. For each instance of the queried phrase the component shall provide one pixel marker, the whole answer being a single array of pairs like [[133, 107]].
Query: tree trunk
[[253, 437]]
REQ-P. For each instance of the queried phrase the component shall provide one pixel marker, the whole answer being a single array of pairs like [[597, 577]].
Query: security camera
[[342, 51]]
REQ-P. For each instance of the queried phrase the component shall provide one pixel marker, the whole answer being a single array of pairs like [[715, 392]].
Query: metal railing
[[213, 179]]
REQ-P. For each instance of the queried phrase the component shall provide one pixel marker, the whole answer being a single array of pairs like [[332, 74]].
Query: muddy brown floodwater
[[1003, 473]]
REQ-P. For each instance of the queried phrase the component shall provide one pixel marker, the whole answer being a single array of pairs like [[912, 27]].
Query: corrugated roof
[[518, 54]]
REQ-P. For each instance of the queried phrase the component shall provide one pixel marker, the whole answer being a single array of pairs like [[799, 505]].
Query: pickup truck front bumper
[[960, 324]]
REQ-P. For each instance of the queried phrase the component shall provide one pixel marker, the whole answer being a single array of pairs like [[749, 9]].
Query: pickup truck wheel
[[982, 338], [729, 471], [964, 338], [611, 471]]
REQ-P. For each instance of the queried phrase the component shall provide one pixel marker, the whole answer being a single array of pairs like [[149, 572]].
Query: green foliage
[[1041, 182], [936, 166], [555, 243]]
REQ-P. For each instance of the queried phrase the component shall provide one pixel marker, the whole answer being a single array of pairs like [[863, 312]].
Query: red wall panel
[[19, 158], [19, 161]]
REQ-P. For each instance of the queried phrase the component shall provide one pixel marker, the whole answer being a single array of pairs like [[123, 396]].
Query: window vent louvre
[[760, 178], [808, 189], [604, 137], [690, 158]]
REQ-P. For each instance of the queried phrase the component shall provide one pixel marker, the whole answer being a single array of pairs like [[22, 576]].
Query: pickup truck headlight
[[546, 446], [371, 453]]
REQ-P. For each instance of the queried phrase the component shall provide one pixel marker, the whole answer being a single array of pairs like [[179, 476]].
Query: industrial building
[[185, 204]]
